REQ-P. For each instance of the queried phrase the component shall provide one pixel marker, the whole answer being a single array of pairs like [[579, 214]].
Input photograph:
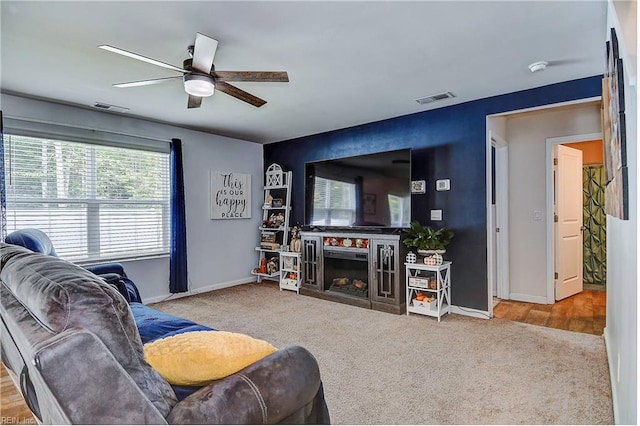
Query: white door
[[568, 221]]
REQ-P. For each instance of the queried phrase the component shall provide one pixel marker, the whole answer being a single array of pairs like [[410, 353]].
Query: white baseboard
[[542, 300], [470, 312], [191, 292], [614, 388]]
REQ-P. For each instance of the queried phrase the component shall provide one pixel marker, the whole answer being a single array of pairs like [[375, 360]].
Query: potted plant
[[427, 240]]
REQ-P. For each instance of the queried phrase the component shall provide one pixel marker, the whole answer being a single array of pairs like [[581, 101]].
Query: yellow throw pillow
[[199, 357]]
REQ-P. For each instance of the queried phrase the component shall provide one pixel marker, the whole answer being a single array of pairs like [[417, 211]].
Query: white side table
[[290, 278], [421, 278]]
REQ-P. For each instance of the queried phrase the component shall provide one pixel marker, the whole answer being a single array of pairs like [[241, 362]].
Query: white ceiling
[[349, 63]]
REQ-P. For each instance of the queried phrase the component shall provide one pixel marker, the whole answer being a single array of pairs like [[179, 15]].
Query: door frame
[[502, 218], [551, 297]]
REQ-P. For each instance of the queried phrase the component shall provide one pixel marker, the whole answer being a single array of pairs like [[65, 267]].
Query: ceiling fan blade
[[569, 61], [203, 52], [240, 94], [139, 57], [269, 76], [147, 82], [194, 101]]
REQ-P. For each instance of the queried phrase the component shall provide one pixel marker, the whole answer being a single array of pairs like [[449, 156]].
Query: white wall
[[622, 242], [220, 252], [497, 125], [527, 133]]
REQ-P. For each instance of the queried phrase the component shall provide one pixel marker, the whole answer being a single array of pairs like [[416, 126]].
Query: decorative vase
[[296, 245], [430, 252]]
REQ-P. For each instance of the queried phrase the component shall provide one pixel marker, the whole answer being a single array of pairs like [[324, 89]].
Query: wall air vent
[[108, 107], [436, 97]]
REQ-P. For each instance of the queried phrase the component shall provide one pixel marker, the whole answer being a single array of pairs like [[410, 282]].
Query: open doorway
[[591, 229], [530, 282], [594, 233]]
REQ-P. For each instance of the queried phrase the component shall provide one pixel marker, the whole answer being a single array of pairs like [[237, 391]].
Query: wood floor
[[585, 312], [13, 410]]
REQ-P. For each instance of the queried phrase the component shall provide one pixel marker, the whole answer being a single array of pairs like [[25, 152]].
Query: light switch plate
[[443, 185], [436, 214]]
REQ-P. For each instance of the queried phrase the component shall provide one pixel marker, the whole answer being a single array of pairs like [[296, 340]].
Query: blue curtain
[[3, 188], [178, 281]]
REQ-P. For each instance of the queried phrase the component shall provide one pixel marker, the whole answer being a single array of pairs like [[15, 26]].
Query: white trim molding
[[528, 298], [217, 286], [612, 377], [470, 312]]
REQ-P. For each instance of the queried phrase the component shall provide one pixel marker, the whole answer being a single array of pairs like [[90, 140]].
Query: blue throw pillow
[[154, 324]]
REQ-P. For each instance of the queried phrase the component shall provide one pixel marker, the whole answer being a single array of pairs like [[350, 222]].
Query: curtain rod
[[74, 126]]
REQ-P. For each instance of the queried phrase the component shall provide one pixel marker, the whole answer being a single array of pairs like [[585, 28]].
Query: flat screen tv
[[369, 191]]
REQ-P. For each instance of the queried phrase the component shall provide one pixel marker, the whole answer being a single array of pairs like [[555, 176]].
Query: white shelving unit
[[274, 231], [428, 279], [290, 277]]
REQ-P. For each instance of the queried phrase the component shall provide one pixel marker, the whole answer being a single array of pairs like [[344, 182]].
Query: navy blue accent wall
[[446, 143]]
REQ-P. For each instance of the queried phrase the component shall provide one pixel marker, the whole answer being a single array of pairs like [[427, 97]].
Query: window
[[334, 202], [95, 202], [400, 210]]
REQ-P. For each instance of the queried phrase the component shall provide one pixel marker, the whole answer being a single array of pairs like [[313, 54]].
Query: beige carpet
[[381, 368]]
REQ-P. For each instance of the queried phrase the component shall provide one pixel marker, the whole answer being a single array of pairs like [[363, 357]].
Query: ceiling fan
[[199, 75]]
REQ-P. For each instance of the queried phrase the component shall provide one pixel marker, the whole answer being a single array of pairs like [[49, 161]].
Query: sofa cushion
[[62, 296], [200, 357]]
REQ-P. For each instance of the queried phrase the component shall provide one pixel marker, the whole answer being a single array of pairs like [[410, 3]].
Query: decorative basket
[[433, 305]]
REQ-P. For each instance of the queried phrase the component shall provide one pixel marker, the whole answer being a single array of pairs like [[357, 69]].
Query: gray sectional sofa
[[72, 340]]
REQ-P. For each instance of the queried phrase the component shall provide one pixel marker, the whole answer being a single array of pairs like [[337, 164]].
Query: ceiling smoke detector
[[538, 66]]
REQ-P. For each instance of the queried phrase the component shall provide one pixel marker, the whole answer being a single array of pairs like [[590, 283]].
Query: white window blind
[[95, 202], [334, 202]]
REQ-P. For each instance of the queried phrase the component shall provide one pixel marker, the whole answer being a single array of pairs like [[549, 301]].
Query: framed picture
[[268, 237], [369, 204], [230, 195], [287, 262], [276, 202], [615, 133], [418, 187]]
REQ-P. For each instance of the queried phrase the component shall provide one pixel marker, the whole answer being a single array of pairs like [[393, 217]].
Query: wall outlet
[[436, 214]]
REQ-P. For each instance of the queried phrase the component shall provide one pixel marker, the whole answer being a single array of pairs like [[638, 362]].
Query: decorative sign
[[230, 195]]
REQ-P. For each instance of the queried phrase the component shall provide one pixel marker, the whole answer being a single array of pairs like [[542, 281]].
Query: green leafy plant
[[427, 238]]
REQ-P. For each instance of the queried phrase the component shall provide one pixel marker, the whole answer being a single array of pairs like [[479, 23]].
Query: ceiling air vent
[[108, 107], [436, 97]]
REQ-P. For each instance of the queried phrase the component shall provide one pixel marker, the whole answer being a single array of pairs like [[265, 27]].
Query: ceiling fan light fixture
[[199, 85]]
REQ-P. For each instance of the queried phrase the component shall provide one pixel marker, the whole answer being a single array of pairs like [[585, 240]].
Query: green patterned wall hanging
[[595, 222]]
